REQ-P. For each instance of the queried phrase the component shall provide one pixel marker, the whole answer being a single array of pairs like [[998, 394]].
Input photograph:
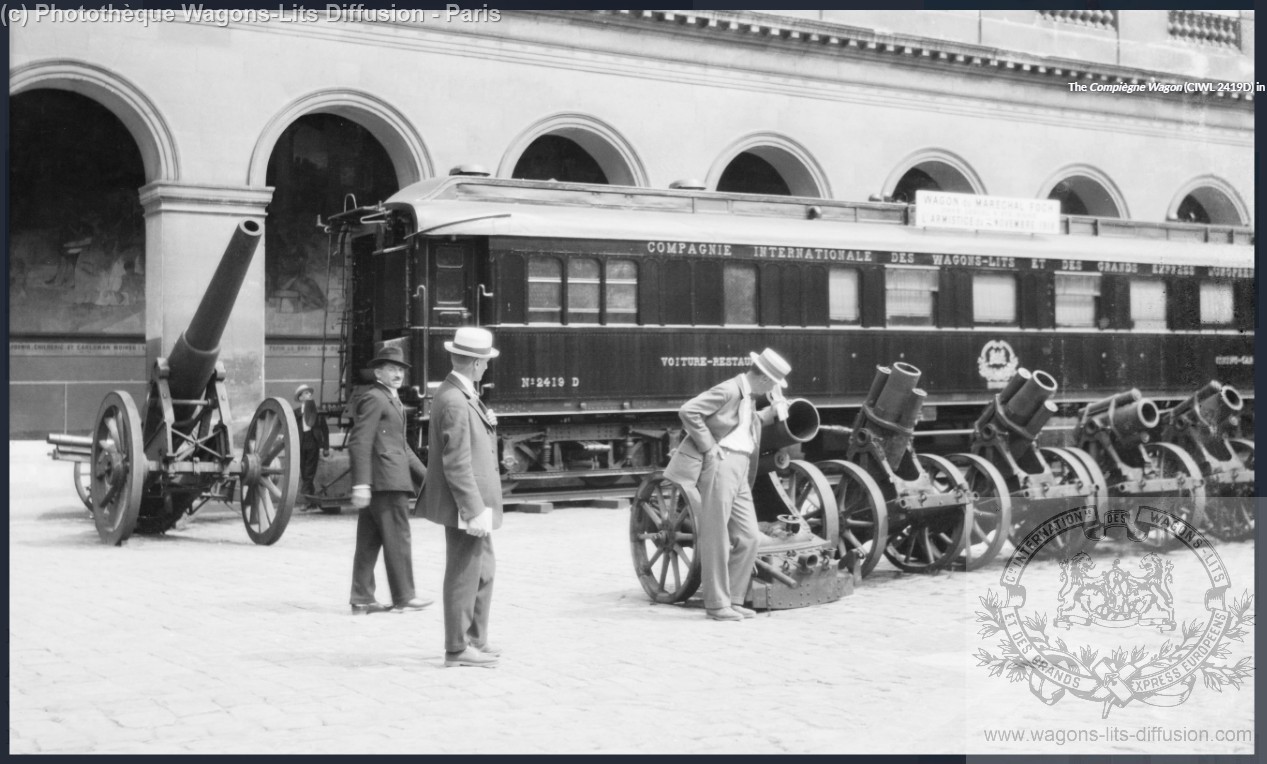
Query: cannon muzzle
[[1029, 396], [192, 361], [800, 426]]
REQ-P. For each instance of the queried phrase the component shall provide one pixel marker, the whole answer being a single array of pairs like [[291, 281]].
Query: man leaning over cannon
[[716, 465]]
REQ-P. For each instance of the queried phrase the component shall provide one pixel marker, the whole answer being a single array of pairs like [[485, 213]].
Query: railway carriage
[[613, 305]]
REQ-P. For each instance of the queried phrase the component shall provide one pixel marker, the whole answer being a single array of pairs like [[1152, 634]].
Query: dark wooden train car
[[613, 305]]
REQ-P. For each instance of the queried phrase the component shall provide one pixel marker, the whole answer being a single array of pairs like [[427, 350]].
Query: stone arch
[[1098, 192], [609, 148], [951, 172], [795, 164], [125, 100], [388, 126], [1219, 198]]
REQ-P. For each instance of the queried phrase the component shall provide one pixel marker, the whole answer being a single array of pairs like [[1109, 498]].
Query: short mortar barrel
[[1031, 396], [1131, 423], [897, 393], [800, 426]]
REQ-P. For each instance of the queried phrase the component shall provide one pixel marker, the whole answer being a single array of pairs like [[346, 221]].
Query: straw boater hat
[[390, 354], [301, 390], [474, 342], [772, 365]]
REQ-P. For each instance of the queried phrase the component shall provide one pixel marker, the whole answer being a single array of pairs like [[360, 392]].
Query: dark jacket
[[380, 455], [462, 471]]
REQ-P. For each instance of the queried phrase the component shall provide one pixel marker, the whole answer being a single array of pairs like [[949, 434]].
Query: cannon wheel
[[83, 484], [806, 491], [991, 512], [662, 533], [1070, 466], [118, 468], [1174, 462], [864, 521], [932, 540], [1231, 517], [270, 471]]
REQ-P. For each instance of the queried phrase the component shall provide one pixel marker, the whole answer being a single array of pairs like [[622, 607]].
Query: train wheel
[[863, 519], [991, 512], [270, 471], [1173, 462], [118, 468], [1232, 516], [83, 484], [1069, 469], [806, 491], [662, 537], [932, 539]]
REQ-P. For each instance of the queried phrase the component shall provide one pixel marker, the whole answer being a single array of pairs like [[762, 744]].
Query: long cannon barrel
[[192, 361]]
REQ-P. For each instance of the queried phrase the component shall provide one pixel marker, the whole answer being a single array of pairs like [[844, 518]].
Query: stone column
[[187, 228]]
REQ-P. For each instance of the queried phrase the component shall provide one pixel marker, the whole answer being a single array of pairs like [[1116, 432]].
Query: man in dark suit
[[385, 471], [716, 465], [464, 494], [314, 439]]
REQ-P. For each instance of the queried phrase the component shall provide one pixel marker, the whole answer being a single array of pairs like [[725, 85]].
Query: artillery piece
[[1205, 425], [146, 474], [1012, 474], [912, 508], [1117, 432], [797, 564]]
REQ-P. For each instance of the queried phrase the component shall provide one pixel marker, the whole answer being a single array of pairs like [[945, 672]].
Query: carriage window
[[1148, 303], [622, 292], [740, 293], [1216, 303], [1077, 296], [910, 294], [842, 296], [545, 290], [583, 285], [450, 277], [993, 298]]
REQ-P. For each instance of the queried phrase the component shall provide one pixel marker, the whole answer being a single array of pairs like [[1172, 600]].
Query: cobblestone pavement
[[200, 641]]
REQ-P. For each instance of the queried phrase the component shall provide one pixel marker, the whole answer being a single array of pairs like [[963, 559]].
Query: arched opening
[[558, 158], [1209, 206], [77, 231], [750, 174], [317, 161], [1080, 195], [932, 175]]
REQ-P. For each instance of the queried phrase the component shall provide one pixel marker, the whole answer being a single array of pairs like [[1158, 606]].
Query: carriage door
[[451, 273]]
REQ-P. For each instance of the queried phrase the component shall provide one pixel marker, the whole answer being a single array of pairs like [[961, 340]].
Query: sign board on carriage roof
[[939, 209]]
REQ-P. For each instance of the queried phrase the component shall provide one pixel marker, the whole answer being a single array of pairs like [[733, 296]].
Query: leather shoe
[[723, 614], [743, 611], [417, 603], [369, 607], [469, 657], [488, 649]]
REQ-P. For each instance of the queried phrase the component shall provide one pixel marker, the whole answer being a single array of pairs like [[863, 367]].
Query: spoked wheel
[[991, 512], [804, 490], [1069, 469], [1174, 462], [83, 484], [931, 539], [1231, 515], [118, 468], [270, 471], [864, 521], [662, 540]]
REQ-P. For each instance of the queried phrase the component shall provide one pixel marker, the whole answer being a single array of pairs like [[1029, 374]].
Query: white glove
[[482, 524], [360, 496]]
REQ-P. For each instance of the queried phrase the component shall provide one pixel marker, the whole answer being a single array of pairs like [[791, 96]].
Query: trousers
[[728, 534], [468, 588], [384, 524]]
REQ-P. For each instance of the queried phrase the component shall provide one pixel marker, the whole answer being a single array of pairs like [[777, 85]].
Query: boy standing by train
[[717, 465]]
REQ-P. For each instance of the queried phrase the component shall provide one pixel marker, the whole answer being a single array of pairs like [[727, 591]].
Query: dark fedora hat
[[390, 354]]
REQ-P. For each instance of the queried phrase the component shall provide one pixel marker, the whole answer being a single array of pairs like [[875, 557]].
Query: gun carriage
[[1205, 426], [797, 561], [144, 473], [1118, 434]]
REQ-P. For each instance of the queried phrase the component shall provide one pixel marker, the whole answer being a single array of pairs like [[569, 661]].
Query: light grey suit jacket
[[708, 418]]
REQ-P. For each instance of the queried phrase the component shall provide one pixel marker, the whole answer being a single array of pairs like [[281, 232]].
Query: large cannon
[[1037, 483], [913, 509], [797, 561], [1118, 432], [146, 473], [1206, 426]]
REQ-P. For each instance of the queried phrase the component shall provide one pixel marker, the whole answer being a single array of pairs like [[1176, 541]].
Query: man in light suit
[[716, 464], [385, 471], [464, 494]]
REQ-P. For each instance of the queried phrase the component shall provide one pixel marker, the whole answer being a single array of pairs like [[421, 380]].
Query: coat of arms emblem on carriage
[[1157, 581], [997, 364]]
